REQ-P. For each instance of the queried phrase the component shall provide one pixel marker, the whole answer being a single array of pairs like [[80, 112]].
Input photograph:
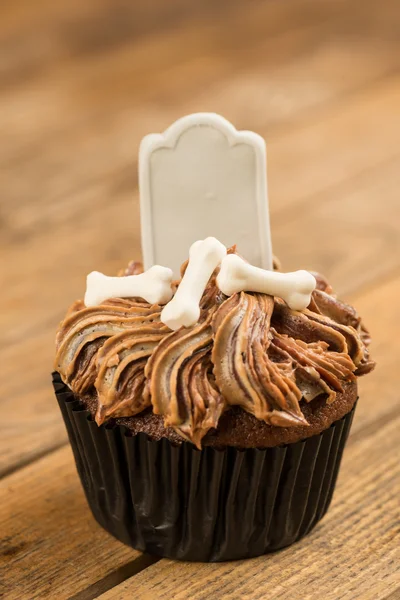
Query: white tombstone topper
[[203, 178]]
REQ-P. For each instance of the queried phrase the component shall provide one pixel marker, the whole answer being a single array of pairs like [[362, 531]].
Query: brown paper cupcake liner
[[209, 505]]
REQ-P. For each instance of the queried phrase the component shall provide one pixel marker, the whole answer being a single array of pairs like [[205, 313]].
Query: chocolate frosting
[[248, 350]]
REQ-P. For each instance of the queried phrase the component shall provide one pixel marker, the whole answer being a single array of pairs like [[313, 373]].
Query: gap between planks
[[118, 576], [394, 595], [30, 459]]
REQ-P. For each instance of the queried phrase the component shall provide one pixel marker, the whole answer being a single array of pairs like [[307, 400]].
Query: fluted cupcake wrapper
[[208, 505]]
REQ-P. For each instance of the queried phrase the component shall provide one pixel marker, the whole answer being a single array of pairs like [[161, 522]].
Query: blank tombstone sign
[[202, 178]]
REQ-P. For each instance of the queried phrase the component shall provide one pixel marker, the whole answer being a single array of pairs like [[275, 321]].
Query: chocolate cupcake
[[220, 440]]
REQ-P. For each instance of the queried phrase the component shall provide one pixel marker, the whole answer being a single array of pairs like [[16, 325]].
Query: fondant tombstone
[[202, 178]]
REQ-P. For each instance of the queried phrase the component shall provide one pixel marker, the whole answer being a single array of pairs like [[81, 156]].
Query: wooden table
[[81, 83]]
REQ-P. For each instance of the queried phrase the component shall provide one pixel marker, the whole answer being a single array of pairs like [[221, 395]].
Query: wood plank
[[53, 35], [41, 39], [334, 144], [352, 555], [51, 545], [379, 391], [343, 232], [149, 80], [258, 95], [127, 72]]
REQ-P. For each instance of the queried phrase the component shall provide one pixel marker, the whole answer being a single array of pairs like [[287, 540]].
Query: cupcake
[[221, 439]]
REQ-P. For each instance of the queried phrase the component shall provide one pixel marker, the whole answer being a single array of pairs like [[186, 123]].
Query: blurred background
[[82, 82]]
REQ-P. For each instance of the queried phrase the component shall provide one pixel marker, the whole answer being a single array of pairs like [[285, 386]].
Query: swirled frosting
[[248, 350]]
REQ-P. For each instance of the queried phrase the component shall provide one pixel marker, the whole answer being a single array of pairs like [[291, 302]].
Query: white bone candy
[[236, 275], [184, 308], [154, 286]]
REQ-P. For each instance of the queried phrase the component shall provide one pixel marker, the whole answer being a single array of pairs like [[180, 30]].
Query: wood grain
[[51, 545], [106, 127], [343, 231], [80, 84]]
